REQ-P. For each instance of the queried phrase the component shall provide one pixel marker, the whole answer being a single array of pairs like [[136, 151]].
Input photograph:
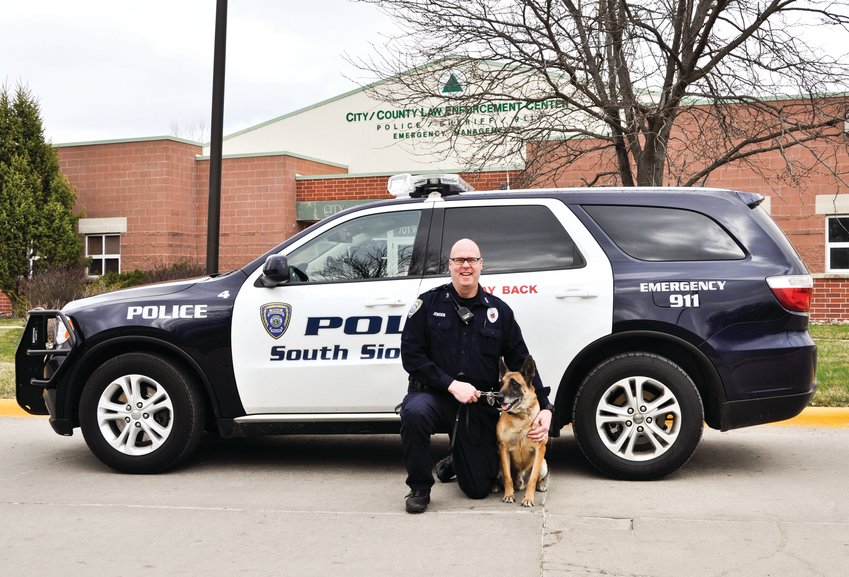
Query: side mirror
[[275, 271]]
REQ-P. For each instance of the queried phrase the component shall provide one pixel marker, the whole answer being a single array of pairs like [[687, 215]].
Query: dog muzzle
[[508, 405]]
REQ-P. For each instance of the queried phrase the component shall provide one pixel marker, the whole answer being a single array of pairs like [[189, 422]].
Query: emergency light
[[402, 185]]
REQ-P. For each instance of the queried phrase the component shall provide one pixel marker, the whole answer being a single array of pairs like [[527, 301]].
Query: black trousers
[[474, 447]]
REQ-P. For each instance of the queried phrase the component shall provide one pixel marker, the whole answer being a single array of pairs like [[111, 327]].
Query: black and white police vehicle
[[648, 311]]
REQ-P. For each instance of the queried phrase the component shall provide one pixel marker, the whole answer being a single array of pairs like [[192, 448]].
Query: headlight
[[61, 332]]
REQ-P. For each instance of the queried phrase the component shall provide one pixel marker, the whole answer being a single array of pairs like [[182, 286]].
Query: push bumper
[[39, 364]]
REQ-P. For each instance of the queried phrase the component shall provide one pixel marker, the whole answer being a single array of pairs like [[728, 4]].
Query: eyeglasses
[[468, 259]]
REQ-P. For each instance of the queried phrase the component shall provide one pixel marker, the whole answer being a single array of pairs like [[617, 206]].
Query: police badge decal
[[275, 318]]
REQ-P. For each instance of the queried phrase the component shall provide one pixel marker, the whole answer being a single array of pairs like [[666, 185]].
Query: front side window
[[104, 252], [511, 238], [663, 234], [370, 247], [837, 244]]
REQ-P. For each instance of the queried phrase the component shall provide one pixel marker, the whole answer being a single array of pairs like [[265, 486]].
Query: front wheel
[[638, 416], [140, 413]]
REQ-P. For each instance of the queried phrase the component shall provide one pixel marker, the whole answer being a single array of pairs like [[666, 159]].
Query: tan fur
[[516, 451]]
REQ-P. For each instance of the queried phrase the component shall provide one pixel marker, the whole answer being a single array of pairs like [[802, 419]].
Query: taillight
[[793, 291]]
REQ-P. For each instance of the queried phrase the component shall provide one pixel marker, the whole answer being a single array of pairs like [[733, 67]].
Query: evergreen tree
[[36, 200]]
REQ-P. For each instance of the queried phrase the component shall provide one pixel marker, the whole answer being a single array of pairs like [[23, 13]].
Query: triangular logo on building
[[452, 86]]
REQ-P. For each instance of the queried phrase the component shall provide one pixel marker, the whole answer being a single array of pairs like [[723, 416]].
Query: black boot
[[417, 501], [444, 469]]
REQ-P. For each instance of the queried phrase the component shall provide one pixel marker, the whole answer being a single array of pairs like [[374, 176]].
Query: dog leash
[[493, 399]]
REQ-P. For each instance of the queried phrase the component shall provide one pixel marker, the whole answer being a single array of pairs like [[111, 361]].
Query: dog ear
[[529, 369], [502, 368]]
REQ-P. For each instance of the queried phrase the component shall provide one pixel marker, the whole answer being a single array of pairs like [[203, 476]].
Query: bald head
[[465, 275], [467, 247]]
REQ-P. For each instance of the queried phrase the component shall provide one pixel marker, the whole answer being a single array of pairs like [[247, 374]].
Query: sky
[[114, 69]]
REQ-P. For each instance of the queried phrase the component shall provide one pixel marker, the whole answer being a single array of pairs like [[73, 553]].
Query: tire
[[139, 413], [637, 416]]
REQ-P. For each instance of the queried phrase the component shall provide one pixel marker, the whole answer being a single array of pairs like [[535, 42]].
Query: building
[[145, 199]]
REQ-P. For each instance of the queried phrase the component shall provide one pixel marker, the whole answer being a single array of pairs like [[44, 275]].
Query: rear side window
[[511, 238], [665, 234]]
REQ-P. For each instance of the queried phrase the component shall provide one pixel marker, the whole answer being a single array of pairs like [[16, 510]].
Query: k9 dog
[[521, 458]]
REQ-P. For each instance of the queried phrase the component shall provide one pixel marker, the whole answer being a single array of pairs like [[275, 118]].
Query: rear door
[[539, 259]]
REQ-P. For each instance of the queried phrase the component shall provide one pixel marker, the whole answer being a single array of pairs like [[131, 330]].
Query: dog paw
[[508, 499], [527, 502]]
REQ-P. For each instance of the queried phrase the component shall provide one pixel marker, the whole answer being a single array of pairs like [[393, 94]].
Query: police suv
[[648, 311]]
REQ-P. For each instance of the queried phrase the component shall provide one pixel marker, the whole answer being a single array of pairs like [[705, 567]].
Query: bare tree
[[195, 131], [646, 92], [363, 261]]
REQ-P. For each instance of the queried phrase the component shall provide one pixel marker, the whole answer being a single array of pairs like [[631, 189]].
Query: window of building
[[665, 234], [104, 250], [837, 244], [511, 238]]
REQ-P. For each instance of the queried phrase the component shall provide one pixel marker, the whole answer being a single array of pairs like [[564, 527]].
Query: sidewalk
[[819, 417]]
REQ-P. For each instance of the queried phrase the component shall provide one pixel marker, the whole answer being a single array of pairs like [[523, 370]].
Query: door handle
[[385, 302], [574, 294]]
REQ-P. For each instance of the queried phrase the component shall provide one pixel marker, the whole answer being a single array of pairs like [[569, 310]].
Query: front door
[[330, 340]]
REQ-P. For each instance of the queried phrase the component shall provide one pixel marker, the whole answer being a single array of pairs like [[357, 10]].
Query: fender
[[710, 384], [68, 396]]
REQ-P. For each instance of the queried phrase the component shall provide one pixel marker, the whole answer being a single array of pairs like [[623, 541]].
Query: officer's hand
[[540, 426], [464, 392]]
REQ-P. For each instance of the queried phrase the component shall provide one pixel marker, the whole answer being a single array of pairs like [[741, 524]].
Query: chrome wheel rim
[[638, 418], [135, 415]]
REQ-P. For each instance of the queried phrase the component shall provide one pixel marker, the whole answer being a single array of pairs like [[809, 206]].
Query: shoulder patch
[[415, 308]]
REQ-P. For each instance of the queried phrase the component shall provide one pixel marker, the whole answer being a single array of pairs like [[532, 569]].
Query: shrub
[[56, 287], [177, 271], [52, 288]]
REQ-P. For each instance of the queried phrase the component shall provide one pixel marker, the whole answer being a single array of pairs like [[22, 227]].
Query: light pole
[[216, 139]]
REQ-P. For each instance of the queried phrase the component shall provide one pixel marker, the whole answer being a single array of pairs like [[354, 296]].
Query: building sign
[[318, 210], [441, 121]]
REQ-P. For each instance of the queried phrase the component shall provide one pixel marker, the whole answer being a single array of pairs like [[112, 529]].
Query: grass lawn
[[832, 364], [9, 338]]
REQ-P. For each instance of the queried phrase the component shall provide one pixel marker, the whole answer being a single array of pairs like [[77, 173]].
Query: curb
[[10, 408], [818, 417], [821, 417]]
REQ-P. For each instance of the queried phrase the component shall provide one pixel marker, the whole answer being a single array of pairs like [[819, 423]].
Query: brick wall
[[162, 189], [374, 187], [830, 300], [5, 305], [257, 204], [152, 183]]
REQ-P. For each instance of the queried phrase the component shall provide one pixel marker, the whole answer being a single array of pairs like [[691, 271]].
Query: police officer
[[450, 346]]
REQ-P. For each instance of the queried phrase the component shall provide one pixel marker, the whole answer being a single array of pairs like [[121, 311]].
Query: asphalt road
[[766, 501]]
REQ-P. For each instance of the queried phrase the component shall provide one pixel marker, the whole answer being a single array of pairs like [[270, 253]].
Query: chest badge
[[492, 314]]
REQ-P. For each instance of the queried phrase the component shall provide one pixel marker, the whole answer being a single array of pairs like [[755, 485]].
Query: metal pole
[[216, 139]]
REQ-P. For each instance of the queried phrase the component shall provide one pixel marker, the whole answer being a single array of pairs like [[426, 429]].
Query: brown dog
[[519, 454]]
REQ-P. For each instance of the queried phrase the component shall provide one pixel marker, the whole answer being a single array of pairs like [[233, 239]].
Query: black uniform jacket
[[438, 347]]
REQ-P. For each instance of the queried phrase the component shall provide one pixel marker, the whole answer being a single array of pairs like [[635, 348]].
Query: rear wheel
[[140, 413], [638, 416]]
